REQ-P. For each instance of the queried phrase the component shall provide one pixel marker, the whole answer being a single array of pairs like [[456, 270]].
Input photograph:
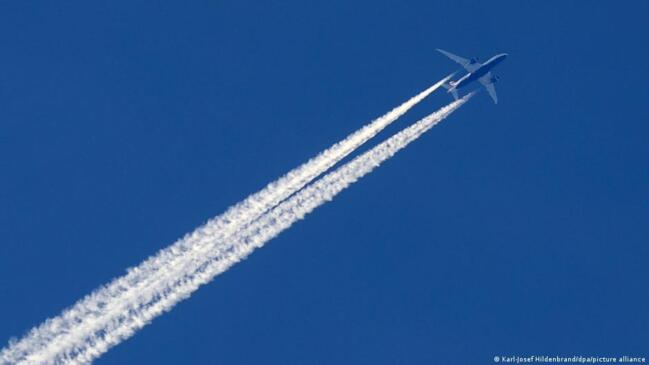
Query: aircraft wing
[[489, 85], [469, 65]]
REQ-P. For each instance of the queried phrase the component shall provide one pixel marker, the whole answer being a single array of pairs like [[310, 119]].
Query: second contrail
[[254, 235]]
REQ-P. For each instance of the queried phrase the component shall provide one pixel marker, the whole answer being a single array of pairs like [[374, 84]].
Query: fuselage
[[481, 71]]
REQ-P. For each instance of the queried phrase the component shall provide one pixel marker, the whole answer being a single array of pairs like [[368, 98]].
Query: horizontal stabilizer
[[451, 89]]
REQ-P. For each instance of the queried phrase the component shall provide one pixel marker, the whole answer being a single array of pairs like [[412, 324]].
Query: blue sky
[[511, 229]]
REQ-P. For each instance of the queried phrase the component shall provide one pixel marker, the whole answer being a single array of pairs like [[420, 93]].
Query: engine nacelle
[[474, 60], [494, 79]]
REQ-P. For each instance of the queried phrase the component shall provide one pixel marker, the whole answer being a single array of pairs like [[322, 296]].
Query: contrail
[[247, 239], [86, 315]]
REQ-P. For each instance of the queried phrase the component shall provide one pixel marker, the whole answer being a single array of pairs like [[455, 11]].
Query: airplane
[[476, 71]]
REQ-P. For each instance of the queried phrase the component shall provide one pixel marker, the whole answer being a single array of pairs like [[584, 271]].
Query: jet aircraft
[[476, 71]]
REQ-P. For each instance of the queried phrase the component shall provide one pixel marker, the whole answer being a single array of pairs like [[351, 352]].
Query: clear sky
[[516, 229]]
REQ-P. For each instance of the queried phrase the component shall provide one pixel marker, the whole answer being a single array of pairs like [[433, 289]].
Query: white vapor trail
[[255, 235], [62, 333]]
